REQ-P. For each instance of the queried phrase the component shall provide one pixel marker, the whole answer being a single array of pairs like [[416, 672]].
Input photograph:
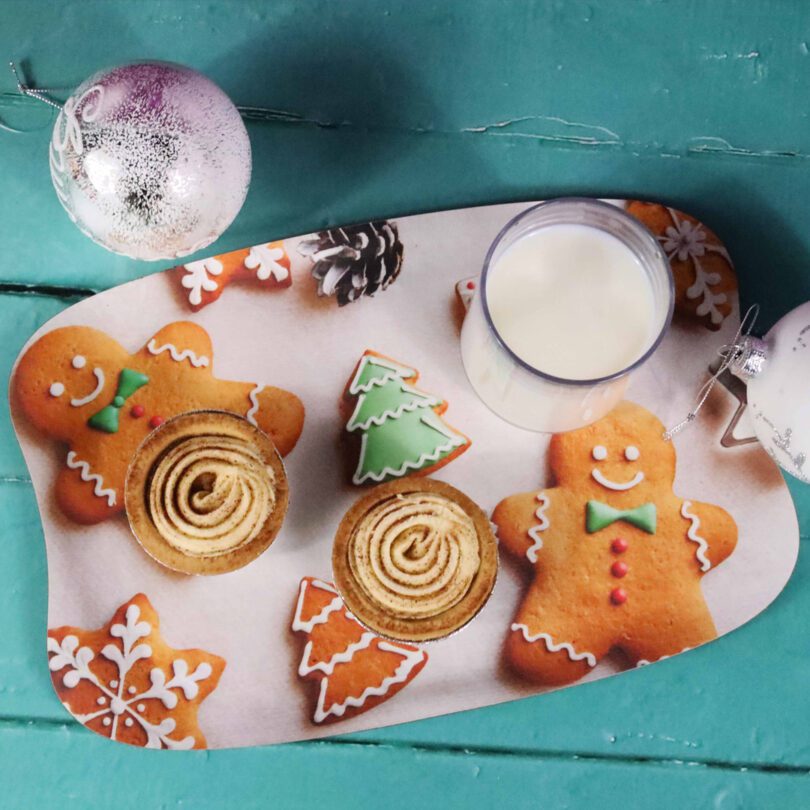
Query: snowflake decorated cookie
[[353, 669], [617, 556], [124, 682], [82, 389], [202, 282], [705, 281], [396, 429]]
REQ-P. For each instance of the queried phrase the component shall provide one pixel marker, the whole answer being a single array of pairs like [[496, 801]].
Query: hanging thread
[[730, 352]]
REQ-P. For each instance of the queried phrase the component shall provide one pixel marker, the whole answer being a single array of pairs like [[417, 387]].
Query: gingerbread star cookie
[[705, 281], [202, 282], [617, 556], [124, 682], [354, 669], [81, 388]]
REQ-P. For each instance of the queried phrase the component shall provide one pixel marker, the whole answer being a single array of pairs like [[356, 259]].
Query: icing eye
[[79, 361], [631, 453], [56, 389], [599, 452]]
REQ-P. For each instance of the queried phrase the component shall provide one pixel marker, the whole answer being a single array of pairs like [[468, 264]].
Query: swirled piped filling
[[415, 555], [209, 494]]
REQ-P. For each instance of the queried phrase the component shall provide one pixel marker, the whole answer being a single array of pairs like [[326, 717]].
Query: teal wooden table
[[399, 106]]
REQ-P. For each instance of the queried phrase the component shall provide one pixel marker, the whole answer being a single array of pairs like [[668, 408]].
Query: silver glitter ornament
[[776, 371], [151, 160]]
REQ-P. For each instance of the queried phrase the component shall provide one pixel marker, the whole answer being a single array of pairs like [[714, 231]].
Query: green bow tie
[[599, 515], [106, 419]]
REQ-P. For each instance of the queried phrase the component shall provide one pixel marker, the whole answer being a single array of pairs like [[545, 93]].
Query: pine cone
[[354, 261]]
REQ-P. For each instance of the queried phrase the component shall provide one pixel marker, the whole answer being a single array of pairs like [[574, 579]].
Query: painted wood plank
[[20, 317], [399, 139], [67, 768]]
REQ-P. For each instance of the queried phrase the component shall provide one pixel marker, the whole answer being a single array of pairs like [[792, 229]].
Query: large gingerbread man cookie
[[618, 557], [81, 388]]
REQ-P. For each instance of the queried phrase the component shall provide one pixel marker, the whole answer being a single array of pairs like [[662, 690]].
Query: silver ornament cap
[[750, 358]]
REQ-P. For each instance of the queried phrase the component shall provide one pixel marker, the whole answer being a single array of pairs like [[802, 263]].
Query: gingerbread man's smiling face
[[66, 376], [622, 456]]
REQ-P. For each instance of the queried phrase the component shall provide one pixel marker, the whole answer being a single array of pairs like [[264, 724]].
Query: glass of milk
[[574, 295]]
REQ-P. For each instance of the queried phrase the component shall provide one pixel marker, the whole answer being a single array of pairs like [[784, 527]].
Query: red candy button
[[156, 421], [137, 411], [618, 596], [470, 285], [619, 545], [619, 569]]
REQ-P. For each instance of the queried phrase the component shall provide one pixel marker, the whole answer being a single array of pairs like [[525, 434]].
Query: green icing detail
[[400, 431], [389, 399], [375, 371], [106, 420], [599, 516]]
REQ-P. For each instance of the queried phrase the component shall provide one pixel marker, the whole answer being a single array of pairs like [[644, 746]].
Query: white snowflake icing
[[198, 278], [118, 700], [265, 260], [687, 242]]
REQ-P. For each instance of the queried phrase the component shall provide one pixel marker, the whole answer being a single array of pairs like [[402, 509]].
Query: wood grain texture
[[375, 108]]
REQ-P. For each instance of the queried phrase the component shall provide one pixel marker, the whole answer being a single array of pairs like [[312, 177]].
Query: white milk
[[572, 301]]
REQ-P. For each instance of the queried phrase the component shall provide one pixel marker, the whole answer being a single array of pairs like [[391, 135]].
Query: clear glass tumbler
[[527, 396]]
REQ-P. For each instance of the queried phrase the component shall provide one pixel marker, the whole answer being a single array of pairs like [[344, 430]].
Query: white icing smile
[[615, 485], [77, 402]]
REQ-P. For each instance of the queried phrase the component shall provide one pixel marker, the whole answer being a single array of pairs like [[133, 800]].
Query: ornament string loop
[[730, 353], [32, 92], [29, 92]]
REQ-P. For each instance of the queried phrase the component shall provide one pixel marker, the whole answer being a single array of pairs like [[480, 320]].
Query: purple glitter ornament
[[150, 160]]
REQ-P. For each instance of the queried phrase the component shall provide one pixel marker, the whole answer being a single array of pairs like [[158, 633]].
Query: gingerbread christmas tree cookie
[[617, 556], [354, 669], [124, 682], [397, 429]]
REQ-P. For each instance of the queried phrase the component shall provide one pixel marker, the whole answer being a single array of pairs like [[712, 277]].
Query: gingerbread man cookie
[[618, 557], [81, 388]]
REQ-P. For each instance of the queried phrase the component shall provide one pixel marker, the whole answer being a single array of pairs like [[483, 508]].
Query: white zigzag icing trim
[[643, 662], [83, 467], [405, 408], [177, 355], [544, 523], [328, 667], [589, 658], [395, 372], [692, 534], [319, 618], [454, 441], [254, 405], [410, 658]]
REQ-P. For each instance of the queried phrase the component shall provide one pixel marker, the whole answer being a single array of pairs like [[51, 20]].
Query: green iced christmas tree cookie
[[401, 430]]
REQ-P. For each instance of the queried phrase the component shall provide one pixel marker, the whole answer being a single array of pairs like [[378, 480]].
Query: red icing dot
[[156, 421], [470, 285], [618, 596], [137, 411], [619, 545], [619, 569]]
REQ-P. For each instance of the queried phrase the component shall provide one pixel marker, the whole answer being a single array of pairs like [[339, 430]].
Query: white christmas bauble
[[776, 370], [151, 160]]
